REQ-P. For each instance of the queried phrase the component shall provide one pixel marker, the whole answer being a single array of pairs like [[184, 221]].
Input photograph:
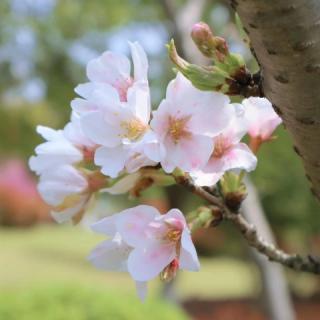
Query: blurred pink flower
[[19, 200]]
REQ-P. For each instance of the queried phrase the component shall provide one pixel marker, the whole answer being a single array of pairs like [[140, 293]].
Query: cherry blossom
[[56, 151], [165, 243], [69, 190], [110, 79], [185, 123], [123, 132], [112, 254], [146, 244], [261, 118], [229, 153], [63, 147]]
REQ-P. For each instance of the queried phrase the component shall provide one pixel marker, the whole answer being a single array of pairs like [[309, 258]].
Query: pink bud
[[209, 45], [201, 33], [170, 271]]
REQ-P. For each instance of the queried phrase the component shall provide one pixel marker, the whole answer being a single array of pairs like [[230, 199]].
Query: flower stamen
[[133, 128], [177, 128]]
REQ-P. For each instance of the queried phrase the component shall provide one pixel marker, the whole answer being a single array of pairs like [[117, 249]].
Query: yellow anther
[[133, 128], [177, 128]]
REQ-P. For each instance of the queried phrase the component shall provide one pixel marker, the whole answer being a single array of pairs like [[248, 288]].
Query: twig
[[249, 232]]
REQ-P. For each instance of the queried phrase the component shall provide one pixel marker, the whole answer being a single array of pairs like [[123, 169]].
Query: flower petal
[[188, 256], [106, 225], [109, 68], [145, 264], [202, 179], [133, 223], [69, 213], [139, 102], [188, 154], [238, 156], [97, 130], [112, 160], [57, 184], [110, 255], [142, 290], [74, 133], [175, 218], [262, 119], [49, 134], [140, 62], [123, 185]]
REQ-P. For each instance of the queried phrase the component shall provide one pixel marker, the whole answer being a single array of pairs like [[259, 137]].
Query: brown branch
[[250, 234]]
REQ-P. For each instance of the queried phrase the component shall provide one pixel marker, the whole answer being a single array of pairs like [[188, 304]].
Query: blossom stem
[[250, 233]]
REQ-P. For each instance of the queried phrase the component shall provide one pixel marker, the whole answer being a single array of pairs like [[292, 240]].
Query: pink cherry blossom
[[165, 240], [185, 123], [112, 254], [110, 79], [68, 191], [115, 112], [228, 154], [146, 244], [261, 118], [56, 151], [63, 147]]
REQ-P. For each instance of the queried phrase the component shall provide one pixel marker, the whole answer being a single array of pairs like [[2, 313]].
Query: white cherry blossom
[[111, 80], [63, 147], [69, 191], [124, 135], [112, 254], [145, 244], [56, 151], [229, 153], [164, 247], [185, 123]]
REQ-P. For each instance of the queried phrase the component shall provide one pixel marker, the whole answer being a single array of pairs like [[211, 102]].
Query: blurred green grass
[[47, 255], [60, 302], [44, 275]]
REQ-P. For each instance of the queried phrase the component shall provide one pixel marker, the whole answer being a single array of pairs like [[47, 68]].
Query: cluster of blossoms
[[114, 140]]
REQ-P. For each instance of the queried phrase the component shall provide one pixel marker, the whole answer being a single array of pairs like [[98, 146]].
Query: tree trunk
[[285, 38]]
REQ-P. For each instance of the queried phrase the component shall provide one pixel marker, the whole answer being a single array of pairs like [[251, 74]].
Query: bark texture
[[285, 38]]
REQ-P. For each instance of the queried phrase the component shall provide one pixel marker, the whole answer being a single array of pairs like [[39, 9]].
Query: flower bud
[[233, 190], [210, 78], [209, 45], [170, 271]]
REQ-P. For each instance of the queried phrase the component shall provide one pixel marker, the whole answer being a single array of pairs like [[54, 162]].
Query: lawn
[[44, 275], [57, 254]]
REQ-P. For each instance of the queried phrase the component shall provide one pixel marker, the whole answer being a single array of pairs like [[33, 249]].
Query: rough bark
[[285, 38]]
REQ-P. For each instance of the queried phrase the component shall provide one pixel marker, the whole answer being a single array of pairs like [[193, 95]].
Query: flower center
[[133, 129], [173, 235], [177, 128], [221, 145]]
